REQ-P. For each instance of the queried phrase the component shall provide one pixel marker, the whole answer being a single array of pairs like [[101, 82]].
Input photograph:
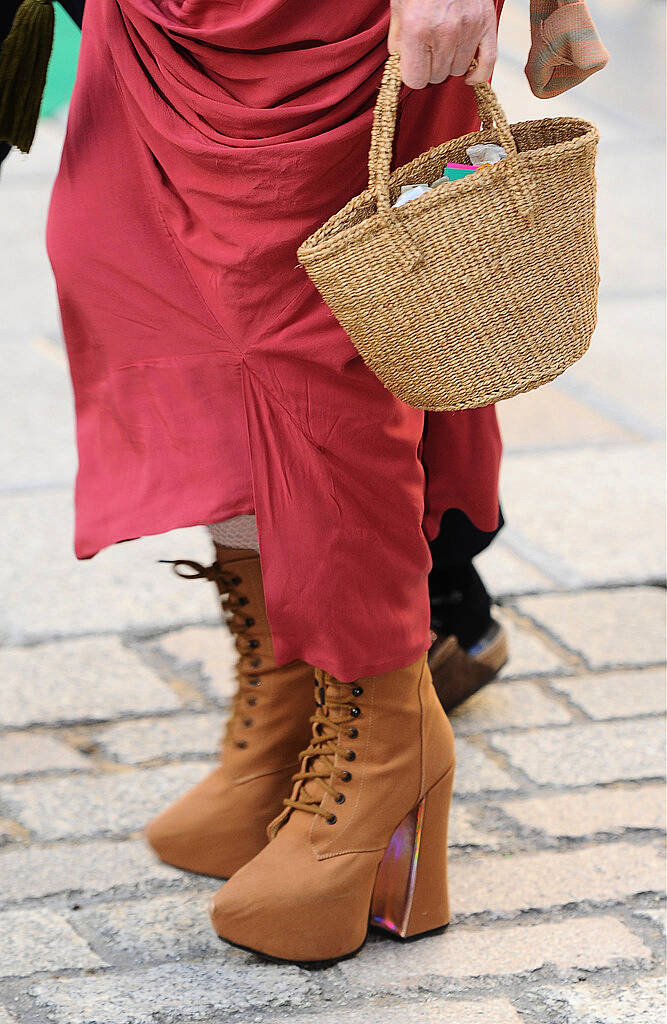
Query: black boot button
[[340, 799], [350, 755], [357, 691], [352, 732], [355, 712], [346, 776], [332, 819]]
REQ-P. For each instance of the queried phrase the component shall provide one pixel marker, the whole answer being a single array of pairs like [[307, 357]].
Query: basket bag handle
[[384, 127]]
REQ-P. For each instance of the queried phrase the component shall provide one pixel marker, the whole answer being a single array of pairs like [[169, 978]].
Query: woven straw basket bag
[[482, 288]]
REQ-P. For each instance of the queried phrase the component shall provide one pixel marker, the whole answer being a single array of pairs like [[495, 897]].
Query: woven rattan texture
[[481, 289]]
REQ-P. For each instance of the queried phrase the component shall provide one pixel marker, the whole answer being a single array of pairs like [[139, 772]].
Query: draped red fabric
[[206, 139]]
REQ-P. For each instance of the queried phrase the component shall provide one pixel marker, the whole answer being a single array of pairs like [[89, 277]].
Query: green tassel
[[24, 59]]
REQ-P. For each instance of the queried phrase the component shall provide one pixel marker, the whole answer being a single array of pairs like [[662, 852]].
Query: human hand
[[439, 38]]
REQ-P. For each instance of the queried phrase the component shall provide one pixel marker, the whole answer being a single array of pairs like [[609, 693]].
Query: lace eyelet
[[241, 744], [255, 681], [253, 644], [247, 722], [340, 799], [252, 701], [256, 662], [332, 819], [355, 712], [346, 776], [357, 691], [350, 755], [243, 601], [235, 580], [249, 622], [352, 732]]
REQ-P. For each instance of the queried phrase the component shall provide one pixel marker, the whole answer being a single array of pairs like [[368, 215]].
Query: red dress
[[206, 139]]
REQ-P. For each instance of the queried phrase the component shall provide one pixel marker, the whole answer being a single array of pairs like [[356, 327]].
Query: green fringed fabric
[[24, 59]]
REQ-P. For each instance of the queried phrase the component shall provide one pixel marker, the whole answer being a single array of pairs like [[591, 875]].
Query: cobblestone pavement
[[115, 678]]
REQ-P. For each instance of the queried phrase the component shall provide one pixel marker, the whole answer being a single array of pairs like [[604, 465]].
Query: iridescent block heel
[[411, 897]]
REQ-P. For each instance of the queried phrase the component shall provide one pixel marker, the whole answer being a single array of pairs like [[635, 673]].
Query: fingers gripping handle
[[384, 127]]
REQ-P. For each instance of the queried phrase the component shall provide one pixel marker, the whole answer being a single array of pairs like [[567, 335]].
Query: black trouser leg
[[460, 603]]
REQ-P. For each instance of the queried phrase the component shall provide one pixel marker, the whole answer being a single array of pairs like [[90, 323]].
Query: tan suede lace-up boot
[[220, 824], [363, 837]]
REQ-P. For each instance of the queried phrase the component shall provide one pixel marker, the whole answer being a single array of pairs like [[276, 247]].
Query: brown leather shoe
[[220, 824], [362, 839], [458, 673]]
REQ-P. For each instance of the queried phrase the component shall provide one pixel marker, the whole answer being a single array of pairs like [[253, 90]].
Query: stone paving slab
[[97, 805], [581, 543], [581, 755], [582, 944], [466, 830], [550, 418], [173, 927], [83, 680], [659, 917], [608, 628], [499, 886], [205, 654], [529, 654], [425, 1010], [610, 375], [577, 815], [179, 736], [5, 1017], [38, 455], [40, 940], [122, 588], [642, 1002], [84, 869], [506, 705], [505, 573], [183, 992], [23, 754], [617, 694], [476, 772]]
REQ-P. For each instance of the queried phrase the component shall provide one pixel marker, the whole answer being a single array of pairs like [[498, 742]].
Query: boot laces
[[240, 626], [333, 732]]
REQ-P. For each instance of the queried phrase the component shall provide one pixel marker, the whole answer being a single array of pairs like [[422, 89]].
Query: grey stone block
[[505, 705], [617, 694], [174, 927], [84, 869], [608, 628], [5, 1018], [232, 983], [585, 754], [476, 772], [504, 886], [561, 504], [464, 954], [550, 418], [529, 655], [99, 805], [205, 654], [609, 810], [466, 830], [25, 753], [40, 940], [36, 417], [425, 1010], [89, 679], [612, 379], [179, 736], [640, 1002], [122, 588], [504, 572]]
